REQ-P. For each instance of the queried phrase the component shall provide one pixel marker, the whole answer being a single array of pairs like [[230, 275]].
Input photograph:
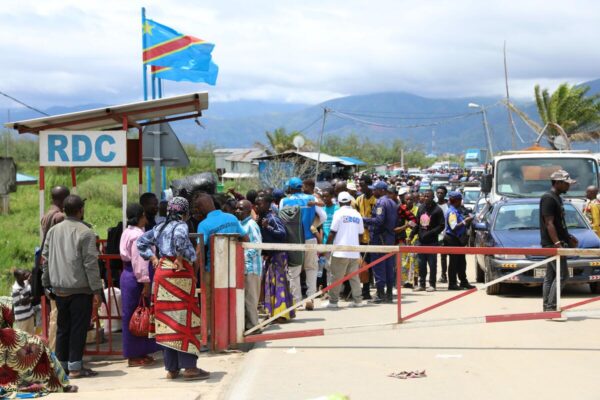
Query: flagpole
[[163, 168], [144, 72], [145, 86]]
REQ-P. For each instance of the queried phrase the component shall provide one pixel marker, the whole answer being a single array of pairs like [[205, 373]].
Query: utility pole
[[510, 118], [487, 133], [325, 111]]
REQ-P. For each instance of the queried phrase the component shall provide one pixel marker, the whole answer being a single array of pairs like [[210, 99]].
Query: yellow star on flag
[[147, 28]]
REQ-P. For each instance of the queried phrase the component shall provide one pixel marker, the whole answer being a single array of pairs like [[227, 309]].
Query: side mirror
[[486, 183], [480, 226]]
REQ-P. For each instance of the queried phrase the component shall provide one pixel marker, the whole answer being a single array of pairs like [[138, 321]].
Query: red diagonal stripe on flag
[[170, 47]]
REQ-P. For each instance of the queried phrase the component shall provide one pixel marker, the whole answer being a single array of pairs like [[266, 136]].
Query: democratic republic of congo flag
[[166, 47], [186, 73]]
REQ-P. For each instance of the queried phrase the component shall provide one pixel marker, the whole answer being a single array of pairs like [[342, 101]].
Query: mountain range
[[432, 125]]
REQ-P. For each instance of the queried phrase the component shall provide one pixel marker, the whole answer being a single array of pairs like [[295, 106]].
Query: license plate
[[541, 272]]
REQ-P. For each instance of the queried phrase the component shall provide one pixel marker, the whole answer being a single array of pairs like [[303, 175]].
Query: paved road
[[545, 359]]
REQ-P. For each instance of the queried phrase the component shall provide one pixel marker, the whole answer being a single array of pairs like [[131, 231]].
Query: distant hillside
[[242, 123]]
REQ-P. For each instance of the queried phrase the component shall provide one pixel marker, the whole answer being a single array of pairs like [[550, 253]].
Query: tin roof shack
[[235, 163], [274, 170]]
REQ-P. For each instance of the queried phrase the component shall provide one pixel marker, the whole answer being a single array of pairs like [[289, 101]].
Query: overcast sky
[[63, 52]]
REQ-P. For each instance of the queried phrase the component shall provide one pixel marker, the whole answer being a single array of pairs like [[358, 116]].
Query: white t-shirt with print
[[348, 224]]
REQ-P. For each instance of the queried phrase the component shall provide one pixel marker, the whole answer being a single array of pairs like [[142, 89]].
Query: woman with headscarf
[[26, 362], [134, 283], [176, 309]]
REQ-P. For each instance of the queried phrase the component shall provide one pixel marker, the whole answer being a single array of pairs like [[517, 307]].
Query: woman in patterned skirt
[[176, 308], [26, 362], [278, 296]]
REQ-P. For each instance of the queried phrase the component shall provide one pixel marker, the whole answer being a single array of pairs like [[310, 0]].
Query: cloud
[[72, 52]]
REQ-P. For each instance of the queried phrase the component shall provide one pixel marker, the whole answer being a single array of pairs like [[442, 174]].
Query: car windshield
[[530, 177], [470, 196], [526, 216]]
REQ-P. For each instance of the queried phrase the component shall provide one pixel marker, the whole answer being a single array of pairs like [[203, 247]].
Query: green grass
[[102, 189]]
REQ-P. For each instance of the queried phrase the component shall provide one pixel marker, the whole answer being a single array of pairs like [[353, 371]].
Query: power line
[[310, 125], [23, 104], [406, 116], [381, 125]]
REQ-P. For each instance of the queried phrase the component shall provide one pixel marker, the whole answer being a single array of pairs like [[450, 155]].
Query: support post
[[42, 198], [124, 178], [399, 285], [73, 180], [219, 259], [240, 292], [558, 265], [140, 161]]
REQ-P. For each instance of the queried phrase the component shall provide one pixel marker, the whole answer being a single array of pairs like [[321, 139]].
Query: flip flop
[[70, 389], [83, 373], [198, 375]]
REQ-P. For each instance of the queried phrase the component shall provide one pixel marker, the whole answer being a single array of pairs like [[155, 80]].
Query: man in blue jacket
[[381, 231]]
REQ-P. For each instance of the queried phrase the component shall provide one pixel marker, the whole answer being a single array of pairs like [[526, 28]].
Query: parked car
[[471, 195], [516, 223]]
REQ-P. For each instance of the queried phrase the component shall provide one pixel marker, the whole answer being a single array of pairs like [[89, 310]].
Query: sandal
[[140, 362], [82, 373], [172, 374], [70, 389], [196, 374]]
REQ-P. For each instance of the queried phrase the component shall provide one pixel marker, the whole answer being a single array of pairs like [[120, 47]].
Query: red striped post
[[399, 285], [240, 292], [219, 260]]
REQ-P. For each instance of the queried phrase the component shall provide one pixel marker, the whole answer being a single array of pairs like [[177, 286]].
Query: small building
[[232, 163], [274, 170]]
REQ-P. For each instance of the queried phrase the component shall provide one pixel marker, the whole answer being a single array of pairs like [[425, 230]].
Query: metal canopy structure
[[120, 117], [135, 114]]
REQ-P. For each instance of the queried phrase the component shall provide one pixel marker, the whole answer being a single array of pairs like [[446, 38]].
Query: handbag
[[139, 324], [364, 276]]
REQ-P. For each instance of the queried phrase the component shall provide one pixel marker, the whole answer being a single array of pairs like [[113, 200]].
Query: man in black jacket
[[430, 223]]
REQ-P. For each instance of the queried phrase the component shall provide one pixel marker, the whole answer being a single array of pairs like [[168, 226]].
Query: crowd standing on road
[[161, 263]]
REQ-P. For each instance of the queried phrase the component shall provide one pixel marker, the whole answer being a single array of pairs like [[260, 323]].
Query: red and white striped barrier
[[231, 284]]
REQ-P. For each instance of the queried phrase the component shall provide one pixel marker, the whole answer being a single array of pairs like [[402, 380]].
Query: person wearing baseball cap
[[365, 203], [554, 233], [381, 230], [308, 212], [455, 235], [346, 229]]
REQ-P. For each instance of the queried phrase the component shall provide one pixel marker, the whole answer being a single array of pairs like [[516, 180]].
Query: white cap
[[402, 190], [345, 197]]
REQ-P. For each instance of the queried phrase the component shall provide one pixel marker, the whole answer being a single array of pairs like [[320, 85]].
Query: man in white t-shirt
[[346, 229]]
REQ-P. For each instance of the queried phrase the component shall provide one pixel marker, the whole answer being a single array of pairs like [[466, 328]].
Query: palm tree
[[567, 112], [281, 141]]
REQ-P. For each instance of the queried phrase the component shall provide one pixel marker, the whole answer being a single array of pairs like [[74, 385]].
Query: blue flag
[[187, 74], [166, 47]]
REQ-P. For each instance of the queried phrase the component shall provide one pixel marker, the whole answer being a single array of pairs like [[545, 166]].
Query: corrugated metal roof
[[232, 150], [354, 161], [325, 158], [246, 155], [137, 114]]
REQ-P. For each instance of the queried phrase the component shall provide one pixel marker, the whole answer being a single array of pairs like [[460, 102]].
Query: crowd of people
[[162, 265]]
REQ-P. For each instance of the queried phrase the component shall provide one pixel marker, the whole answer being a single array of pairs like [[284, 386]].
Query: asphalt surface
[[546, 359]]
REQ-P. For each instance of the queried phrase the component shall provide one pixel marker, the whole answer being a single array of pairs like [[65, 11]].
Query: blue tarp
[[354, 161], [23, 179]]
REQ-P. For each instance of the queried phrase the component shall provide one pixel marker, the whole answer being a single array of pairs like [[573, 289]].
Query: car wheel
[[595, 288], [493, 289]]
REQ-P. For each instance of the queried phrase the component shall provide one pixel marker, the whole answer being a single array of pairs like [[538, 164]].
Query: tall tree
[[568, 109], [280, 141]]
